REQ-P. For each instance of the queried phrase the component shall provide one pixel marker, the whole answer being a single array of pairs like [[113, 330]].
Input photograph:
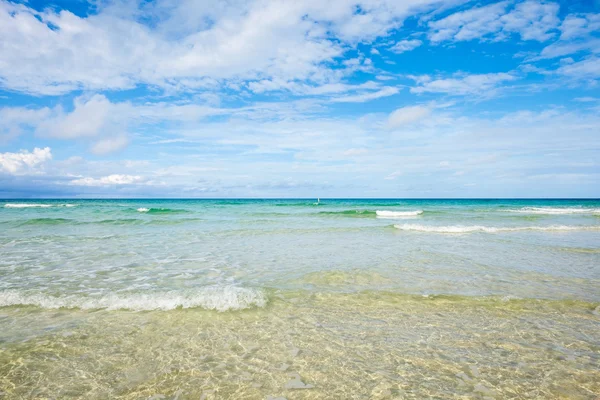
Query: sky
[[337, 98]]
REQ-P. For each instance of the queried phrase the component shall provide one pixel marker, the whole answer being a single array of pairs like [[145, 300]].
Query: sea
[[300, 299]]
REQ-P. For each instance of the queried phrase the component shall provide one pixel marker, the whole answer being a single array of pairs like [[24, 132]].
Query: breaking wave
[[36, 205], [370, 213], [218, 298], [151, 210], [26, 205], [489, 229]]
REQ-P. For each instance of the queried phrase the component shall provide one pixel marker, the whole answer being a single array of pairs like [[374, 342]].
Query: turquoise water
[[81, 251], [90, 290]]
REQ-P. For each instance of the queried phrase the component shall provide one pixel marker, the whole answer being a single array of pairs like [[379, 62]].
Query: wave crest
[[152, 210], [218, 298], [489, 229], [36, 205], [26, 205], [397, 214]]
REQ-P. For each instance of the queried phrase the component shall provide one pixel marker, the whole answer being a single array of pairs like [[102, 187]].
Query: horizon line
[[297, 198]]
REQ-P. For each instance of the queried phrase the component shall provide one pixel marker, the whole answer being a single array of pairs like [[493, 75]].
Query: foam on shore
[[219, 298]]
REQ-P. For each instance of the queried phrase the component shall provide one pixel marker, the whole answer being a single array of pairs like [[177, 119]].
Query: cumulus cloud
[[407, 115], [114, 49], [259, 81], [579, 25], [532, 20], [24, 161]]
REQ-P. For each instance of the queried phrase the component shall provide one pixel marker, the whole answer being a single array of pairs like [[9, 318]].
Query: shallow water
[[288, 298]]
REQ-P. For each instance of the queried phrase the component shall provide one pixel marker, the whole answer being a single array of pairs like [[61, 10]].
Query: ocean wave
[[152, 210], [37, 205], [555, 210], [218, 298], [120, 221], [46, 221], [397, 214], [489, 229], [349, 213], [116, 222], [370, 213], [26, 205]]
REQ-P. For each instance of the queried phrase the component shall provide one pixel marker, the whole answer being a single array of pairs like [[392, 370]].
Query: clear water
[[299, 299]]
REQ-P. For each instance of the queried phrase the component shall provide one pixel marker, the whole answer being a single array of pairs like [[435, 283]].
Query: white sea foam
[[143, 209], [26, 205], [556, 211], [219, 298], [397, 214], [489, 229]]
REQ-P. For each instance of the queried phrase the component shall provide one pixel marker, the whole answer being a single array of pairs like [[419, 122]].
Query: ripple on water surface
[[367, 345]]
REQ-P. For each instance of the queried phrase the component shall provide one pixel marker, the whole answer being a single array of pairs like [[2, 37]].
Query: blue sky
[[413, 98]]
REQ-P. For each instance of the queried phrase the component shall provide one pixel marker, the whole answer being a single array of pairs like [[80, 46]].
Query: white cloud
[[532, 20], [576, 26], [110, 145], [468, 25], [24, 161], [562, 48], [304, 89], [407, 115], [478, 149], [112, 49], [361, 98], [405, 45], [114, 179], [98, 120], [16, 119], [588, 68], [87, 119], [577, 36], [460, 85]]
